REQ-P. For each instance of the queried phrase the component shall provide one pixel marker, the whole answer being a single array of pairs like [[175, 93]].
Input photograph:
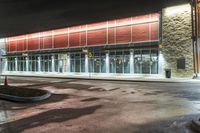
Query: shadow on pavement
[[52, 116], [64, 85], [12, 106]]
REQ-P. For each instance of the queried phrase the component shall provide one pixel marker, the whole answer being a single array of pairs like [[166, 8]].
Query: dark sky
[[27, 16]]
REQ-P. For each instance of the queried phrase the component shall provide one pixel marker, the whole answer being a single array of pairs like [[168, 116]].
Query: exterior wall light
[[177, 9]]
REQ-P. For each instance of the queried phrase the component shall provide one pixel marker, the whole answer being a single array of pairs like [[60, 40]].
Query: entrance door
[[146, 61]]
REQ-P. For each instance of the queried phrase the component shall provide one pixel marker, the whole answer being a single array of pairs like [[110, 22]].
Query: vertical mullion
[[86, 35], [107, 33], [68, 34], [53, 39]]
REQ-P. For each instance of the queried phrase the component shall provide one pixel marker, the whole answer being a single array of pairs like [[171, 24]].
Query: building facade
[[138, 46]]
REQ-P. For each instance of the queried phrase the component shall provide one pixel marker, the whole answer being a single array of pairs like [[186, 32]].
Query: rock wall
[[176, 39]]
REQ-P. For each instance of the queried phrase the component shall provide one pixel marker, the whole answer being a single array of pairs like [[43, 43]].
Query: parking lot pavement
[[88, 106]]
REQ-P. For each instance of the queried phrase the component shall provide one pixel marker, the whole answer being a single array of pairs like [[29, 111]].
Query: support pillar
[[27, 64], [53, 63], [107, 63], [16, 64], [68, 63], [86, 64], [160, 63], [131, 61]]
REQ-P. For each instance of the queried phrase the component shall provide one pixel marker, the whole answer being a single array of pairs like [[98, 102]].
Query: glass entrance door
[[146, 61]]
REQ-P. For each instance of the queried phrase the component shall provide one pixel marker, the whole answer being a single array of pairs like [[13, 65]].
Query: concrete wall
[[176, 39]]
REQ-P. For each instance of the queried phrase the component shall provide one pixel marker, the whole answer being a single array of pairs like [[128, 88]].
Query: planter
[[26, 99]]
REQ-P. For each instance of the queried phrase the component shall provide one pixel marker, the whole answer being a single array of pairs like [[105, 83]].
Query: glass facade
[[77, 62], [144, 61], [97, 64], [120, 62], [21, 64], [11, 63]]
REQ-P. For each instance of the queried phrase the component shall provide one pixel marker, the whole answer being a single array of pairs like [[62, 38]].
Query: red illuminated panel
[[198, 14], [97, 37], [33, 44], [119, 31], [74, 39], [140, 33], [154, 31], [111, 32], [61, 41], [21, 45], [123, 34], [111, 35], [47, 42], [12, 46], [83, 38]]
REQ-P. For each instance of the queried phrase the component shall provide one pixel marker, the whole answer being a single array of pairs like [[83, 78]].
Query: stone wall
[[176, 39]]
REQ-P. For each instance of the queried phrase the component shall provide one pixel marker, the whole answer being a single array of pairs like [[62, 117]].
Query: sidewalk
[[116, 77]]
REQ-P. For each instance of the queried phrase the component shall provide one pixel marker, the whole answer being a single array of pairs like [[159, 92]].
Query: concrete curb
[[195, 125], [112, 79], [25, 99]]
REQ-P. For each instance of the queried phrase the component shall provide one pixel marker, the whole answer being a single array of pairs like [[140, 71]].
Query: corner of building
[[177, 40]]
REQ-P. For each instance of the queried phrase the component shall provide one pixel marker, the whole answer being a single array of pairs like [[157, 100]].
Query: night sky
[[28, 16]]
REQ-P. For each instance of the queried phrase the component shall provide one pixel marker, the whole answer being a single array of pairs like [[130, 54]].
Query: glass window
[[126, 63], [120, 62], [21, 64], [137, 61], [146, 61], [82, 62], [97, 63], [112, 62], [11, 63], [154, 61], [56, 62], [77, 62]]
